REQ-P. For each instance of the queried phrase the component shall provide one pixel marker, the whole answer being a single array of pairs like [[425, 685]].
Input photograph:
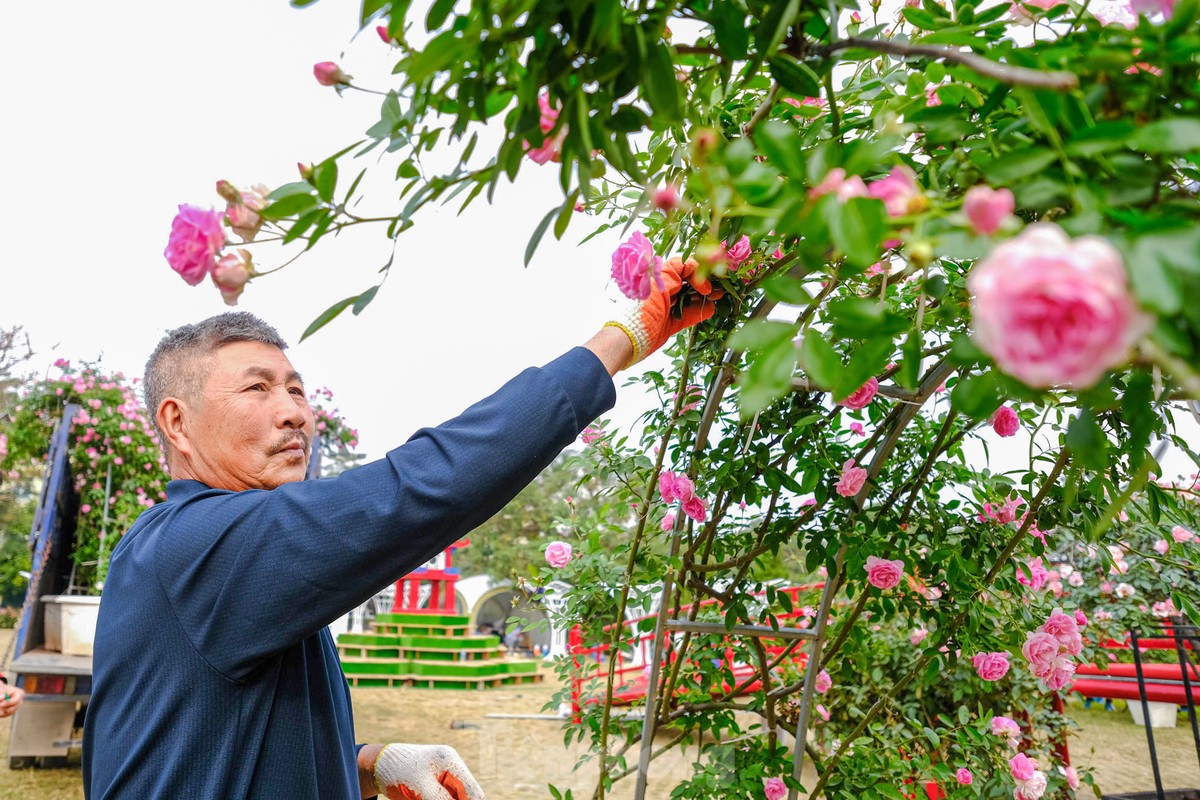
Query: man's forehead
[[255, 359]]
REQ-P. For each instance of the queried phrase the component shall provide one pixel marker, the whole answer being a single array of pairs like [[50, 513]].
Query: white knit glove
[[424, 772]]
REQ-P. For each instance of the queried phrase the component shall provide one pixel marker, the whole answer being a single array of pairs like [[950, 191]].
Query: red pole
[[575, 646]]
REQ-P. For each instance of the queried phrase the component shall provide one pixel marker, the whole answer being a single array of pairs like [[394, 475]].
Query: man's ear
[[171, 421]]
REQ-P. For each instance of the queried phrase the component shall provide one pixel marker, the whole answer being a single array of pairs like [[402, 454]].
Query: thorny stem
[[643, 515]]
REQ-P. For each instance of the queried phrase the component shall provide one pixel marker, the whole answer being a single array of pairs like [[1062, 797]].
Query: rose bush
[[986, 212], [115, 455]]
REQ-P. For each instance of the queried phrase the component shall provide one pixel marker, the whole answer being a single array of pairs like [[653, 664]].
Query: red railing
[[635, 652]]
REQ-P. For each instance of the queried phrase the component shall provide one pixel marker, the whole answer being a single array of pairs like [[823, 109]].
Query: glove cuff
[[631, 324]]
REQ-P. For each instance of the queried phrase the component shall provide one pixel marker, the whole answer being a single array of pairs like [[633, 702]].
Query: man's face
[[252, 426]]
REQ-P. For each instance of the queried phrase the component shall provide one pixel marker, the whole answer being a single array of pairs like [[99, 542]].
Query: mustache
[[286, 442]]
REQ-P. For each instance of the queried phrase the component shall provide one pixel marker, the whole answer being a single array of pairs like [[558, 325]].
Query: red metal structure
[[441, 576], [636, 648]]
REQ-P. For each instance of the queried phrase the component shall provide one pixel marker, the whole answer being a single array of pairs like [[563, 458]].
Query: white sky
[[114, 114]]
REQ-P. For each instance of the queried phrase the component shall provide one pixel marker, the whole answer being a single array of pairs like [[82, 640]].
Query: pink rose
[[551, 149], [1023, 16], [1164, 609], [990, 666], [835, 181], [918, 635], [558, 554], [1031, 789], [1059, 673], [1006, 727], [987, 208], [1054, 311], [856, 427], [774, 789], [328, 73], [863, 395], [884, 574], [931, 97], [822, 712], [1005, 421], [196, 238], [666, 198], [242, 213], [1161, 546], [3, 446], [734, 256], [1072, 777], [899, 192], [1040, 649], [852, 480], [382, 30], [824, 682], [666, 487], [964, 777], [636, 268], [1037, 575], [668, 522], [1181, 534], [1080, 618], [1065, 629], [231, 274], [592, 433], [1148, 7], [1022, 767], [695, 508]]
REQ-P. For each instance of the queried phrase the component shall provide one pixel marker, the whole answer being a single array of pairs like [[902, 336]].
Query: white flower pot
[[1162, 715], [70, 623]]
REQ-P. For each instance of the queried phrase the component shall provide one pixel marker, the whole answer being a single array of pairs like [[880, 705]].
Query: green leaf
[[729, 26], [1087, 441], [786, 289], [1013, 166], [288, 189], [1137, 409], [867, 361], [761, 334], [794, 76], [768, 377], [292, 204], [302, 224], [977, 396], [1176, 135], [819, 359], [438, 13], [327, 316], [859, 318], [660, 85], [857, 227], [1103, 137], [909, 374], [538, 233], [782, 147], [325, 177], [364, 300], [935, 741], [919, 18]]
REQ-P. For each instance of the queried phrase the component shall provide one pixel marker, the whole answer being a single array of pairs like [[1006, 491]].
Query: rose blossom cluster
[[990, 666], [674, 487], [862, 396], [852, 479], [899, 190], [1050, 649], [1031, 782]]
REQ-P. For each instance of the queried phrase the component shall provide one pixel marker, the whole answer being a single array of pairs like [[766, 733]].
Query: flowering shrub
[[959, 252], [115, 454], [110, 436]]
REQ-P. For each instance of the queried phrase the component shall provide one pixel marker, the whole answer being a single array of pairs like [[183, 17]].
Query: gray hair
[[179, 366]]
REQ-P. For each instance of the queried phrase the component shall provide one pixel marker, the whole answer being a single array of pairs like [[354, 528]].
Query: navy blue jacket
[[214, 674]]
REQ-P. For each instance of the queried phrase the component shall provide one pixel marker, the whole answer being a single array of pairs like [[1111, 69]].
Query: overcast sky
[[117, 113]]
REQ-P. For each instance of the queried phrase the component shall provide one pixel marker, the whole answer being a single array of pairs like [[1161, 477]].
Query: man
[[214, 674]]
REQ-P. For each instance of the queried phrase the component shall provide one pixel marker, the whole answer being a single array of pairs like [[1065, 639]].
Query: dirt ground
[[515, 759]]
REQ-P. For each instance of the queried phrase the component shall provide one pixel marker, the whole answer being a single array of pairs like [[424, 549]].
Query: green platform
[[429, 650]]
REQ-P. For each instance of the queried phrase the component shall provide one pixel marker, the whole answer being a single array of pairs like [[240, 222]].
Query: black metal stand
[[1183, 635]]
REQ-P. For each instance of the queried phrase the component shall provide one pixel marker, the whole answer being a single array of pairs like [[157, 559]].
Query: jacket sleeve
[[251, 573]]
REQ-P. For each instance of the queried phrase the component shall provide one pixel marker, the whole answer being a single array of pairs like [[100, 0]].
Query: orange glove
[[650, 323]]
